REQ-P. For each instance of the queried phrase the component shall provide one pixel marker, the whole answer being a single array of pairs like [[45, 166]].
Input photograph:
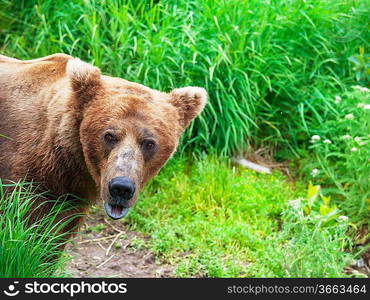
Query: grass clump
[[213, 220], [29, 250], [262, 62]]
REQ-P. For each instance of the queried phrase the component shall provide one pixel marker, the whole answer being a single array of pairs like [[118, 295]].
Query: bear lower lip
[[115, 211]]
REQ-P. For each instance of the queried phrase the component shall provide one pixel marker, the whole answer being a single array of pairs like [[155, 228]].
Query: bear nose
[[121, 188]]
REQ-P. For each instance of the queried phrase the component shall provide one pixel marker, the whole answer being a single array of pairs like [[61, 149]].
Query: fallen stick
[[103, 263], [101, 246], [114, 228], [111, 244], [98, 239], [251, 165]]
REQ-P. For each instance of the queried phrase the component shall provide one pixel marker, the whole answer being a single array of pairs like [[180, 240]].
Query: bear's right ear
[[85, 79], [189, 102]]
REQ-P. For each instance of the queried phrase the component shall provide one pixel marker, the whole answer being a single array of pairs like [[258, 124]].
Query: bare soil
[[107, 248]]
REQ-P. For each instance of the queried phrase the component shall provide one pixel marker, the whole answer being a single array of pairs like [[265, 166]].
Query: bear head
[[127, 131]]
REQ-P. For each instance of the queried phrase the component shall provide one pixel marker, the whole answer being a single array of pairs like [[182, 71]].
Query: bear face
[[127, 131]]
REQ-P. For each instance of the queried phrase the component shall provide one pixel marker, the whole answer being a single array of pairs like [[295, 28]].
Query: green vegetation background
[[277, 73]]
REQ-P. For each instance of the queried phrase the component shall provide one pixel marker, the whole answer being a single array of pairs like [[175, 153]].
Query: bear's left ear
[[190, 102], [85, 80]]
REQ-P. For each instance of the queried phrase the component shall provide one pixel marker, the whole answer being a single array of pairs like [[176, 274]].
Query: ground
[[179, 216], [106, 248]]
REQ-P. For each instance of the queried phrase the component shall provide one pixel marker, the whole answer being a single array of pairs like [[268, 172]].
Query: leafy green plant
[[312, 241], [29, 250], [361, 67], [340, 147], [318, 212]]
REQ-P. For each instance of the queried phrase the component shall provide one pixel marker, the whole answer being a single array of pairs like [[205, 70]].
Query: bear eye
[[149, 145], [110, 138]]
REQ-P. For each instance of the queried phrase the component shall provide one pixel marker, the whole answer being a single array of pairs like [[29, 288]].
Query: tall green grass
[[264, 63], [29, 250]]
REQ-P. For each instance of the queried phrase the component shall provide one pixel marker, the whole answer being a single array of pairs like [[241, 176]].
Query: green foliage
[[29, 250], [312, 241], [340, 146], [361, 67], [213, 220], [262, 62], [271, 69]]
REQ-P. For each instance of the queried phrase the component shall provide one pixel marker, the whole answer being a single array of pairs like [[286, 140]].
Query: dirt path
[[106, 248]]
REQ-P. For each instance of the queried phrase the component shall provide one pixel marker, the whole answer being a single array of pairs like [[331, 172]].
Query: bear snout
[[121, 189]]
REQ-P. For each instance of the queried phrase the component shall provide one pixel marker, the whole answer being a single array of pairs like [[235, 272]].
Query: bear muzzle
[[121, 190]]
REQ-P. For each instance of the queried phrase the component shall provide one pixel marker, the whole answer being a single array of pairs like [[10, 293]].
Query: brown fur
[[54, 112]]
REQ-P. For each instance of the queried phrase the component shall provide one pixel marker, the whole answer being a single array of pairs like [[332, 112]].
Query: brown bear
[[74, 131]]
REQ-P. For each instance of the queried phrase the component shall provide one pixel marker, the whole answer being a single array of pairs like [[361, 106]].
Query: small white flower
[[359, 141], [343, 218], [354, 149], [337, 99], [315, 172], [367, 106], [349, 117], [296, 204], [361, 88], [327, 141], [315, 138], [346, 137], [360, 105]]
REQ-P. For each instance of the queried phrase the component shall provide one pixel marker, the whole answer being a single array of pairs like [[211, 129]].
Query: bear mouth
[[115, 211]]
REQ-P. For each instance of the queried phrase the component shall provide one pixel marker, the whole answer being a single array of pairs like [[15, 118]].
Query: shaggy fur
[[55, 112]]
